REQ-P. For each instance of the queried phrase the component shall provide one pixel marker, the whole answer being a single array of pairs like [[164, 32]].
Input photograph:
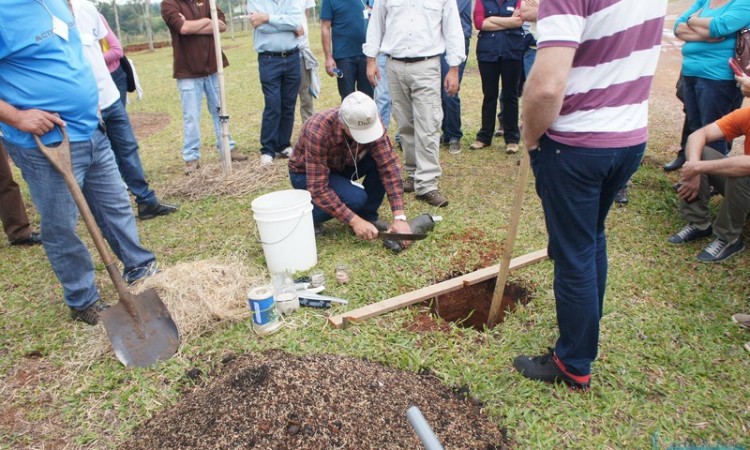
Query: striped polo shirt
[[617, 46]]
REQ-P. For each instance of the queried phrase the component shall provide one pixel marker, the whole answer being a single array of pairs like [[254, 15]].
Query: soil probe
[[139, 327], [226, 160]]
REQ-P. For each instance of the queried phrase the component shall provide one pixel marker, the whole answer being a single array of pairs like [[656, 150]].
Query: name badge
[[511, 8], [366, 13], [60, 28]]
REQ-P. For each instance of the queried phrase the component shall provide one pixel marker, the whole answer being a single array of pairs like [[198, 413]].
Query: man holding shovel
[[585, 113], [46, 83], [336, 148]]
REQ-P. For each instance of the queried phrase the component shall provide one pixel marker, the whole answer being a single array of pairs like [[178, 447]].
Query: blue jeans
[[382, 95], [121, 81], [280, 78], [706, 101], [191, 94], [451, 105], [125, 148], [364, 202], [355, 76], [577, 187], [95, 170]]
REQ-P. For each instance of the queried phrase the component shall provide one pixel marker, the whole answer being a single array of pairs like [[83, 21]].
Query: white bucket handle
[[257, 238]]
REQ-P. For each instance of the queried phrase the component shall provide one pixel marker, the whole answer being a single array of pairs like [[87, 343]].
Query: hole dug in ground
[[469, 307]]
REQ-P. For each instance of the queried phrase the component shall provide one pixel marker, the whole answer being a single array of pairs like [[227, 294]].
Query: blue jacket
[[502, 44]]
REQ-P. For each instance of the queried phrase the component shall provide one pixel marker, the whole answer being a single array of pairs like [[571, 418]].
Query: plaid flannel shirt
[[324, 147]]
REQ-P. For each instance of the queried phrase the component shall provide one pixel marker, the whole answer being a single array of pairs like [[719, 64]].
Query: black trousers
[[510, 71]]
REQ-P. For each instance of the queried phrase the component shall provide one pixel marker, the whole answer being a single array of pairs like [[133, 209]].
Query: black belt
[[413, 60], [293, 51]]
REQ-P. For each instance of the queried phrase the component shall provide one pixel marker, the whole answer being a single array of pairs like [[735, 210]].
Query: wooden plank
[[410, 298]]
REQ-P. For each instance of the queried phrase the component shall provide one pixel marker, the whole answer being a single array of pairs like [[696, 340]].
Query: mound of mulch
[[275, 400]]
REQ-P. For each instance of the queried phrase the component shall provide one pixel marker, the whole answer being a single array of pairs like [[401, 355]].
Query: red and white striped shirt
[[618, 44]]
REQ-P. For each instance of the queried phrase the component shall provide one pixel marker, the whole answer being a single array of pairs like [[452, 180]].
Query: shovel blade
[[143, 340]]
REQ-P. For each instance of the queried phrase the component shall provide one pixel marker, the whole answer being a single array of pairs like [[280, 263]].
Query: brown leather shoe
[[192, 166], [409, 185], [434, 198], [234, 155]]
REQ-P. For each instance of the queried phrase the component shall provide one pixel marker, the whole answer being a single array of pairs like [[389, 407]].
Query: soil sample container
[[342, 273], [265, 317]]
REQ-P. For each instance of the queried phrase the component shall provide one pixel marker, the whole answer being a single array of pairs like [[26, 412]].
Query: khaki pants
[[734, 209], [305, 98], [12, 212], [416, 106]]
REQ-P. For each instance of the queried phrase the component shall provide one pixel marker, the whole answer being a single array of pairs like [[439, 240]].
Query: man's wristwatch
[[400, 217]]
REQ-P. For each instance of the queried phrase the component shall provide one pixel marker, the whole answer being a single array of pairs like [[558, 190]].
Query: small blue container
[[263, 307]]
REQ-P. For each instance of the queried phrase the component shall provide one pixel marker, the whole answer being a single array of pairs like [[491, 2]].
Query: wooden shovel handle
[[60, 159], [496, 308]]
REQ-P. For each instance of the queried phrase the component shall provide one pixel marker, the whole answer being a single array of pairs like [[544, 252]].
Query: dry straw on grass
[[200, 296], [210, 180]]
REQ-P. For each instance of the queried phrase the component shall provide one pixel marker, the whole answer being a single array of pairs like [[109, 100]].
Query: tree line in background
[[139, 18]]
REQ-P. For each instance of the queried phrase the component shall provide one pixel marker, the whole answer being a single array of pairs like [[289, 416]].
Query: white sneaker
[[266, 160], [287, 152]]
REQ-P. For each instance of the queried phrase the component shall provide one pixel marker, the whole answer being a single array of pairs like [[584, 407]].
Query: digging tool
[[502, 277], [226, 159], [139, 327], [401, 236]]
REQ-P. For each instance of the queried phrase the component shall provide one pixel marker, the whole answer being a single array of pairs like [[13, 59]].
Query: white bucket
[[285, 226]]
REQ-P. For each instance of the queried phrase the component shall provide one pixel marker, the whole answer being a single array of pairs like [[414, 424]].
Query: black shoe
[[90, 315], [622, 197], [689, 233], [318, 227], [33, 239], [151, 210], [550, 369], [676, 163], [379, 224]]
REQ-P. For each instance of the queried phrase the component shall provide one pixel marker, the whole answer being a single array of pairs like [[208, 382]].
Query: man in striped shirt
[[585, 114]]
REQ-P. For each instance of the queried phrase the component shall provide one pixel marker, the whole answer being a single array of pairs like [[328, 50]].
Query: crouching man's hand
[[363, 229], [401, 226]]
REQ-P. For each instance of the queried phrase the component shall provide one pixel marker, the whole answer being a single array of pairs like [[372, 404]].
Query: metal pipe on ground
[[423, 430]]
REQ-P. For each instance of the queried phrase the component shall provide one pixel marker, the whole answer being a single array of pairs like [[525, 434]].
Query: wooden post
[[502, 277]]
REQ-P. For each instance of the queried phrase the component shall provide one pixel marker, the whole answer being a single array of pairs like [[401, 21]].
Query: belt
[[413, 60], [293, 51]]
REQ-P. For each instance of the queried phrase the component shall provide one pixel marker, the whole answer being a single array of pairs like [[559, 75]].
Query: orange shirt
[[736, 124]]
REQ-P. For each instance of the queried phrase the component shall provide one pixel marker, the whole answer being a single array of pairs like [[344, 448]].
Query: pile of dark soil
[[278, 401]]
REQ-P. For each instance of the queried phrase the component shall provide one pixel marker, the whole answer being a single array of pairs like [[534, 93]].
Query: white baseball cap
[[359, 112]]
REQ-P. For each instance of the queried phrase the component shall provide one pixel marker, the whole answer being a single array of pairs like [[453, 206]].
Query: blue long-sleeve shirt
[[709, 59], [284, 17]]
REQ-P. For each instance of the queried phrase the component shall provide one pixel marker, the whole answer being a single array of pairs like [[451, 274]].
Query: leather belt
[[414, 60], [293, 51]]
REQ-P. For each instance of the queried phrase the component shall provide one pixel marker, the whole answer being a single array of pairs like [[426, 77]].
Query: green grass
[[670, 359]]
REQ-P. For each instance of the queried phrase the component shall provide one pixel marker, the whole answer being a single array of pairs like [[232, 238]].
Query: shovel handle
[[60, 159]]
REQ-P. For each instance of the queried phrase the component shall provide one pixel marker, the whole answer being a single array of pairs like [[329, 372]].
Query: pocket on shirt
[[395, 3], [88, 39], [433, 6]]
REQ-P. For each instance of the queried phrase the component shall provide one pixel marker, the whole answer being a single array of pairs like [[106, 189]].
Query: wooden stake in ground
[[515, 215], [226, 161]]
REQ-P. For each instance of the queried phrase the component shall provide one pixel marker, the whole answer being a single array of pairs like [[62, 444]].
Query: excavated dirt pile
[[278, 401]]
